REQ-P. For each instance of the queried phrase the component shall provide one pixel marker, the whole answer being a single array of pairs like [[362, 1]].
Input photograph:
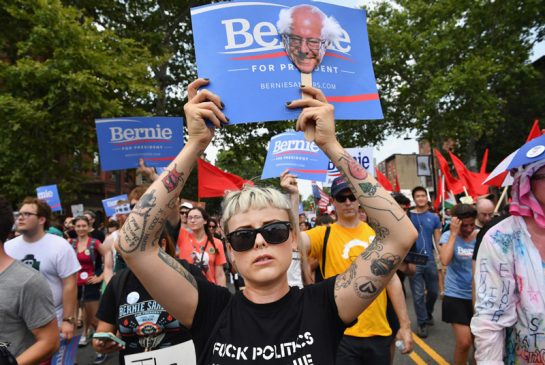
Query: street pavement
[[437, 348]]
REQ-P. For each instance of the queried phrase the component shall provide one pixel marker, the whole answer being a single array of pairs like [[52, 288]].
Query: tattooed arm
[[162, 276], [371, 271]]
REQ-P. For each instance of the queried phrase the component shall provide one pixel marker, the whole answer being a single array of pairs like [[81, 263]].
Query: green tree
[[454, 68], [58, 72], [164, 28]]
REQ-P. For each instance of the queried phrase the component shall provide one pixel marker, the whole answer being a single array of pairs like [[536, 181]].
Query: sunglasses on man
[[274, 233], [342, 198]]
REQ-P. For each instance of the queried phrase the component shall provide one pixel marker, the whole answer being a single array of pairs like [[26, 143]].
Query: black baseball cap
[[338, 185]]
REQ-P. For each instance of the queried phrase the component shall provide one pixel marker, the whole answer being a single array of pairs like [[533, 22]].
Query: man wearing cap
[[368, 341], [185, 207]]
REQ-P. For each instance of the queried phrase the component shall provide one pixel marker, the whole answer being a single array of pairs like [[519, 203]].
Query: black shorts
[[456, 310], [391, 316], [364, 350], [89, 292]]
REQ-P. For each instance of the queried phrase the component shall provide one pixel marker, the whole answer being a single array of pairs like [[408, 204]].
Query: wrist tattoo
[[172, 180]]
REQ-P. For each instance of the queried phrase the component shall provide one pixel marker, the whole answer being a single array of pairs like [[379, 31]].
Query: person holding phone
[[269, 321], [127, 308]]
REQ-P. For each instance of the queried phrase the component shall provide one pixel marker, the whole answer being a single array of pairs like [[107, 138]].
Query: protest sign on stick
[[123, 141], [240, 48], [110, 204], [50, 194], [290, 150]]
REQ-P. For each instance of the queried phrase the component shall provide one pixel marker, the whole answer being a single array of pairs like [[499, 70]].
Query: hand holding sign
[[289, 182], [306, 33], [203, 105], [316, 112]]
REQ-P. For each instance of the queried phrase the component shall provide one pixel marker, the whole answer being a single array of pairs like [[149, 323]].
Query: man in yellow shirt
[[368, 341]]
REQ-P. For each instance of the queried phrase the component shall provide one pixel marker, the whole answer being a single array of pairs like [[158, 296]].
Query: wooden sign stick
[[310, 131]]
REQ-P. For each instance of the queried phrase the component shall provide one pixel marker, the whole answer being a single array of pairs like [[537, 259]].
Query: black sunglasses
[[274, 233], [342, 198]]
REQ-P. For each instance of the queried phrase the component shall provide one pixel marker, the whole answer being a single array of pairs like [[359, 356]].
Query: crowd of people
[[262, 283]]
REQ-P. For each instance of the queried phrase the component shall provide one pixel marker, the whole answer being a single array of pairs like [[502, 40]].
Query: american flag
[[319, 195]]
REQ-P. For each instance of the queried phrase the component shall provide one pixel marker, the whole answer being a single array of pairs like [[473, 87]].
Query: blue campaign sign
[[50, 194], [239, 47], [290, 150], [363, 155], [110, 204], [123, 141]]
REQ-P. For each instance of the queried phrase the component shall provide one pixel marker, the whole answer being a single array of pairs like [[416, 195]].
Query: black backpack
[[6, 357]]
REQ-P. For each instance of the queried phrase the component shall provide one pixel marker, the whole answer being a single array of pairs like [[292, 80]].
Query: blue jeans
[[425, 279]]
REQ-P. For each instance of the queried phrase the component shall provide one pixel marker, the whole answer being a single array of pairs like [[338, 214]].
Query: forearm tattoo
[[135, 230], [176, 266], [369, 188], [172, 179], [355, 169]]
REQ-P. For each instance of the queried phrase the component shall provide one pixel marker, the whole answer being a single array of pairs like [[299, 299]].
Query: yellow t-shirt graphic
[[343, 246]]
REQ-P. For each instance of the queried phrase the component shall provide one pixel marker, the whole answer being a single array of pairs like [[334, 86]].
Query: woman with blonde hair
[[269, 322]]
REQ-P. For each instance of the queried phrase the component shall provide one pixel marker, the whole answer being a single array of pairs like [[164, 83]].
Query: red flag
[[398, 187], [485, 162], [473, 181], [534, 132], [383, 180], [439, 196], [213, 182], [451, 183]]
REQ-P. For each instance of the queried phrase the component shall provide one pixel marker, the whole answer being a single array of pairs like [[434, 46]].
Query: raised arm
[[446, 249], [372, 270], [162, 276]]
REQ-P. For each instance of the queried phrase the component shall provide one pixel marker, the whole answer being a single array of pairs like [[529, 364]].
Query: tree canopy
[[58, 72], [455, 69]]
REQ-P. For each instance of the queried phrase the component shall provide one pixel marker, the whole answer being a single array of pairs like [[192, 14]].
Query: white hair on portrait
[[331, 29]]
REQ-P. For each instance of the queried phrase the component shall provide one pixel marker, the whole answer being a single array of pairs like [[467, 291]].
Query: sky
[[391, 144]]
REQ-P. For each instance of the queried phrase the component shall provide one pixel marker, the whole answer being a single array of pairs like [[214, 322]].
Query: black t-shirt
[[97, 234], [482, 232], [141, 321], [303, 327]]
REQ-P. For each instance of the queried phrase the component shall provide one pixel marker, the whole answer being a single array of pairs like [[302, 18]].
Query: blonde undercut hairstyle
[[254, 197]]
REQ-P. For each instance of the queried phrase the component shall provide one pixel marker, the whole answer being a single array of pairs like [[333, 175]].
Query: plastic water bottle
[[400, 345]]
